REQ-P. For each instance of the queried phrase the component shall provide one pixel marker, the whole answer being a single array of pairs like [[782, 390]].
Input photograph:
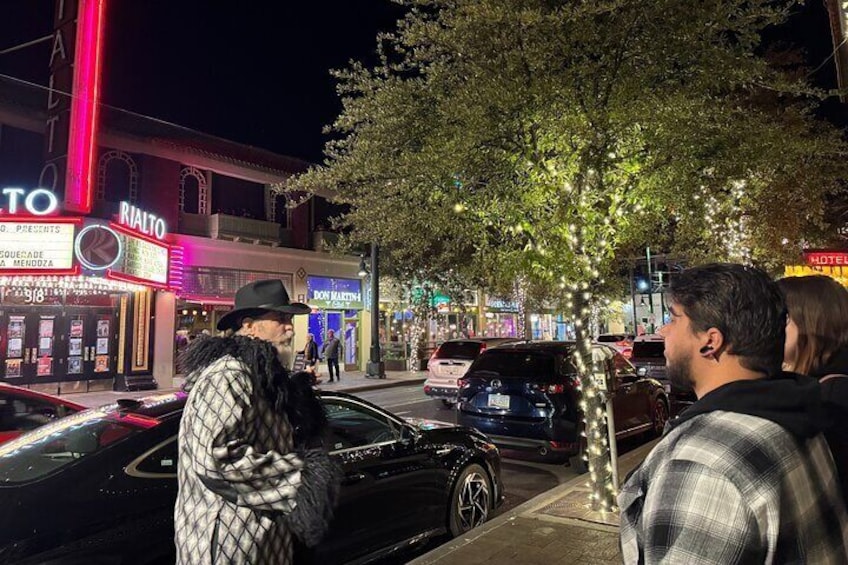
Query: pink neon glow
[[85, 107], [175, 268], [75, 270]]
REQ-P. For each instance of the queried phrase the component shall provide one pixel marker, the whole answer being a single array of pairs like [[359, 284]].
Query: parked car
[[22, 409], [524, 396], [623, 343], [649, 359], [114, 470], [451, 360]]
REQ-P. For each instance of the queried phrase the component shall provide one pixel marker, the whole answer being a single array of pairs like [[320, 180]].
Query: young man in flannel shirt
[[744, 475]]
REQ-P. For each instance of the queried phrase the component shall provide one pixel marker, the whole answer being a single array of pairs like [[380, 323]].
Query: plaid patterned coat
[[725, 488], [239, 479]]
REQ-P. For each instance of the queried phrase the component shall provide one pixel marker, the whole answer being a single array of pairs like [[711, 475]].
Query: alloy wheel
[[474, 501]]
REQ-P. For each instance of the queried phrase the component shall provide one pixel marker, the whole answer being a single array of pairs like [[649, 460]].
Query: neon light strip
[[207, 299], [85, 107], [40, 219], [110, 274], [75, 270], [176, 268]]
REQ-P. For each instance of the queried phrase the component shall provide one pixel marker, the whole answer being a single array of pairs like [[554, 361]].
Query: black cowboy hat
[[260, 297]]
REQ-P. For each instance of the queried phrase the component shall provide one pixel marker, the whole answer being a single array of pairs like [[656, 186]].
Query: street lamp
[[376, 368]]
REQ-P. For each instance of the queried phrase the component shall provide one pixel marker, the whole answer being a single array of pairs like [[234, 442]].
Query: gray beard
[[285, 351]]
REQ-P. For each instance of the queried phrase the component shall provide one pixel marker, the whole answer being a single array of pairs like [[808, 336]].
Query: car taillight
[[461, 383], [482, 347], [627, 353], [552, 389]]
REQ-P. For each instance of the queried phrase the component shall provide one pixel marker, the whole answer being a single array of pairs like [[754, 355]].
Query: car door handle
[[353, 478]]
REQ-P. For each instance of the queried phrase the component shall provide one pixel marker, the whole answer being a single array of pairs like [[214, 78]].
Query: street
[[523, 477]]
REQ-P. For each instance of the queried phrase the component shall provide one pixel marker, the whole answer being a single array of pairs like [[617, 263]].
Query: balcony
[[235, 228], [323, 240]]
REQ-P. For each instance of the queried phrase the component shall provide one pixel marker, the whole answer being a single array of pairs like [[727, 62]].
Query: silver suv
[[451, 360]]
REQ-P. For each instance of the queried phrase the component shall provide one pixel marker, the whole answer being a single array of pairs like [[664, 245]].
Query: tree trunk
[[597, 453]]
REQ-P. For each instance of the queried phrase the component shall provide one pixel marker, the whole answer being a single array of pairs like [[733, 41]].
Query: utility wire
[[27, 44]]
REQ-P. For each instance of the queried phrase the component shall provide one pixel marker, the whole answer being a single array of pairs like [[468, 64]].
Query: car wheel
[[471, 500], [659, 417]]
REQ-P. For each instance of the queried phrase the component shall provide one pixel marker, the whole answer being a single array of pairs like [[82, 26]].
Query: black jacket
[[835, 399]]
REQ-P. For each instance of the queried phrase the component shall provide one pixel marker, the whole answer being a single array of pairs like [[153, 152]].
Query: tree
[[529, 142]]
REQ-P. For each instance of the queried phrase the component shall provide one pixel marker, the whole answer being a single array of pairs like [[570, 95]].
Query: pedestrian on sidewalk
[[817, 345], [310, 351], [744, 475], [252, 471], [331, 349]]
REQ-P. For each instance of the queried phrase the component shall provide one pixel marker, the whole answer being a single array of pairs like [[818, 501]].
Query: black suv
[[524, 396]]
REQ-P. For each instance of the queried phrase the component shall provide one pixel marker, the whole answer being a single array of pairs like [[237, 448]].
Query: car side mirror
[[408, 434]]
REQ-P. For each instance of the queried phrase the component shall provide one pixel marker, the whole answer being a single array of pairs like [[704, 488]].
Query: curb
[[527, 510]]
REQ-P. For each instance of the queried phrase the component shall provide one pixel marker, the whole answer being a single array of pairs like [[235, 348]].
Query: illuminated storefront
[[501, 318], [76, 293], [832, 263], [337, 305]]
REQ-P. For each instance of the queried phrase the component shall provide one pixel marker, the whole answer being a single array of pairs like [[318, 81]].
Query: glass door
[[351, 341]]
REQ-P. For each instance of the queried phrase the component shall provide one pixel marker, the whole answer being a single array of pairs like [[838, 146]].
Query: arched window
[[194, 191], [117, 178]]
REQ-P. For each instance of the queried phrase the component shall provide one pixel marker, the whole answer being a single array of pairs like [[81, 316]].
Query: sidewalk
[[555, 527], [351, 382]]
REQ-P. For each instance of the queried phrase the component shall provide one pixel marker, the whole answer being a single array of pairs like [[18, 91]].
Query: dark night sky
[[252, 71]]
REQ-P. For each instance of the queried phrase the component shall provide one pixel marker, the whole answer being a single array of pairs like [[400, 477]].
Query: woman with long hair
[[817, 346]]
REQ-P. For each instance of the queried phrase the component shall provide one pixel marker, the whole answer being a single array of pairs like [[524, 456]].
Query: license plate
[[499, 400], [456, 371]]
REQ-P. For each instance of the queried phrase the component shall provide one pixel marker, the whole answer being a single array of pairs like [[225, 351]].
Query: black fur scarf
[[291, 394]]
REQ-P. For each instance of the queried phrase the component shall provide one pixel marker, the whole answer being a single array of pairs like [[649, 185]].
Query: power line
[[27, 44]]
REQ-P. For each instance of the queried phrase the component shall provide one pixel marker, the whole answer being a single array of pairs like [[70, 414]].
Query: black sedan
[[99, 486]]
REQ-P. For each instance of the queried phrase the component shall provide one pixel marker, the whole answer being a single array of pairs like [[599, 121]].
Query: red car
[[22, 410]]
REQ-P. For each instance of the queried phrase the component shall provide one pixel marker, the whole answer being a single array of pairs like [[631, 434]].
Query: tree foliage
[[537, 140]]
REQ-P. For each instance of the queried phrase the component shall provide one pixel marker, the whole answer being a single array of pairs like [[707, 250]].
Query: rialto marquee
[[36, 240]]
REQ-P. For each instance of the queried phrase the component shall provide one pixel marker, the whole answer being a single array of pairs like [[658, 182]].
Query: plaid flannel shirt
[[725, 488]]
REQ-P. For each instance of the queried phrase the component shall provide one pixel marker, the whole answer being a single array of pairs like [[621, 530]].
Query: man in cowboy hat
[[252, 471]]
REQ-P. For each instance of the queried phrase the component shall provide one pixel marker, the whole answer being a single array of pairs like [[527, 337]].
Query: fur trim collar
[[290, 394]]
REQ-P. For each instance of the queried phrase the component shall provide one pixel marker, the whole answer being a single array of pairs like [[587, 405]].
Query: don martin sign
[[327, 292], [36, 246]]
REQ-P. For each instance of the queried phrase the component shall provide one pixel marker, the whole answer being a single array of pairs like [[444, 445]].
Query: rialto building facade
[[122, 238]]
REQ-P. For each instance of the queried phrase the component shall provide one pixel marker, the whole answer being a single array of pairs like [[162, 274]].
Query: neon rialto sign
[[142, 221], [37, 202]]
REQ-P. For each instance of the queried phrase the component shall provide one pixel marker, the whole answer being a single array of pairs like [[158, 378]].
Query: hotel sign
[[826, 258]]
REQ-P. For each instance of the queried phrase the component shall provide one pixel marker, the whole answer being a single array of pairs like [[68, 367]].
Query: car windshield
[[648, 349], [531, 365], [59, 444], [458, 350]]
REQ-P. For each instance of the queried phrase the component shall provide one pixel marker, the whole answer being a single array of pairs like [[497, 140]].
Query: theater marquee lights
[[131, 248]]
